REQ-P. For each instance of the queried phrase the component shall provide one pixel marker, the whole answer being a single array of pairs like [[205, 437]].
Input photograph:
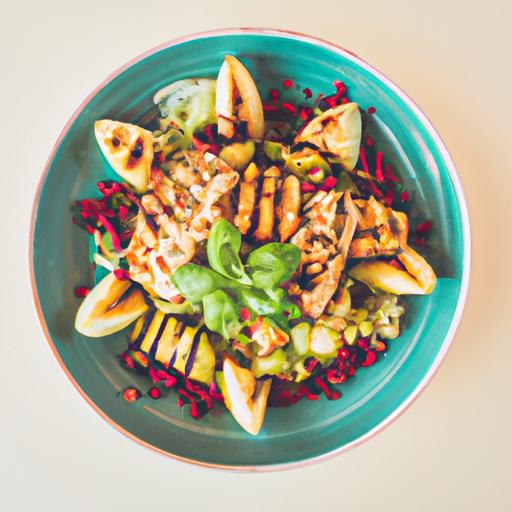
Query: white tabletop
[[451, 450]]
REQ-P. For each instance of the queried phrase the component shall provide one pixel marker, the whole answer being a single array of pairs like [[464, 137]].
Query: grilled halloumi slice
[[247, 199], [289, 208], [266, 216]]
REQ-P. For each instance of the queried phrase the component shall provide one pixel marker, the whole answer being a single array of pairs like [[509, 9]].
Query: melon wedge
[[245, 397], [128, 149], [110, 306]]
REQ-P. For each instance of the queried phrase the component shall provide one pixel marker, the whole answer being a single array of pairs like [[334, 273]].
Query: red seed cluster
[[274, 94], [422, 232], [290, 107], [307, 93], [424, 228], [131, 394], [122, 274], [200, 397], [154, 393], [329, 183], [348, 359], [81, 291]]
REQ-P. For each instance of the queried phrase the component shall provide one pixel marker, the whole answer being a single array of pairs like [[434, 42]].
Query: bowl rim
[[461, 203]]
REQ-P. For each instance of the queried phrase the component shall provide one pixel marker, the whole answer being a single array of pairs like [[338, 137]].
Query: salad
[[258, 249]]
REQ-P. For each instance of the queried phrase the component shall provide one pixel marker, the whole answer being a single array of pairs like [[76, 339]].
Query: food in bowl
[[259, 250]]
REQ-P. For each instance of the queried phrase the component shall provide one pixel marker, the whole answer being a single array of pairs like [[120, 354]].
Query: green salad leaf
[[194, 281], [221, 315], [225, 287], [273, 264], [224, 243]]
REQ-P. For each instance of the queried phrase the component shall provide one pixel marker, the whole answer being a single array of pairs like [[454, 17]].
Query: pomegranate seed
[[404, 196], [343, 353], [370, 358], [371, 110], [308, 93], [366, 169], [81, 291], [131, 394], [245, 314], [155, 393], [270, 108], [123, 212], [304, 112], [424, 228], [369, 141], [127, 360], [122, 274], [335, 376], [290, 107], [274, 94], [331, 101], [307, 187], [338, 84], [389, 174], [154, 375], [288, 83], [329, 183], [363, 343], [388, 200], [170, 381], [419, 240], [379, 173], [311, 364]]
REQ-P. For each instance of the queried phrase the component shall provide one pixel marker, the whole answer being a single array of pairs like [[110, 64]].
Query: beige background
[[452, 448]]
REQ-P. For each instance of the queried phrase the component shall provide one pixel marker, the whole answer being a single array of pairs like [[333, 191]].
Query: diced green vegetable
[[324, 341], [389, 332], [365, 328], [239, 154], [301, 371], [302, 163], [357, 315], [274, 364], [350, 334], [343, 303], [275, 151], [300, 338]]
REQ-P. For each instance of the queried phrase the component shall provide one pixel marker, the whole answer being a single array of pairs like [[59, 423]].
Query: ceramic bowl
[[308, 431]]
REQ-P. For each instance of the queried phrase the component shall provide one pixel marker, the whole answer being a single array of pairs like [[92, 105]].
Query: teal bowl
[[309, 431]]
